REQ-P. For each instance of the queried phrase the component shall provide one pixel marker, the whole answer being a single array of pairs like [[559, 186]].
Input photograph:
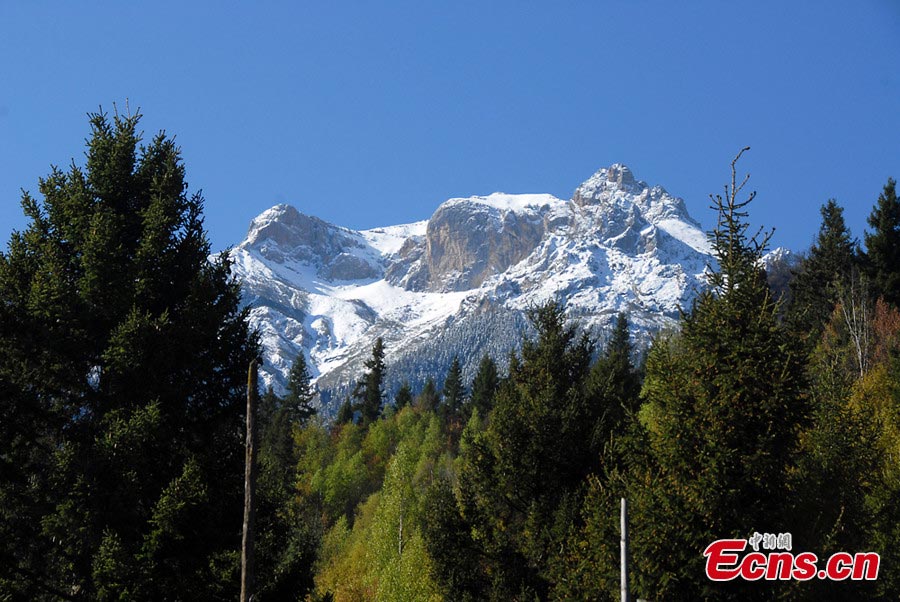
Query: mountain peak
[[284, 225], [606, 182], [620, 174], [461, 282], [278, 212], [616, 186]]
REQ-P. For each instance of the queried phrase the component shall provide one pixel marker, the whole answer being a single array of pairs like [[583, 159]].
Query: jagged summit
[[460, 282], [616, 177], [616, 185]]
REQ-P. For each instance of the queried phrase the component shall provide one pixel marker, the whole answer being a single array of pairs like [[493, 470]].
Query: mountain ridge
[[461, 282]]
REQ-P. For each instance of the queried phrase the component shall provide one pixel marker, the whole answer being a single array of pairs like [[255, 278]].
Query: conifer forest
[[124, 358]]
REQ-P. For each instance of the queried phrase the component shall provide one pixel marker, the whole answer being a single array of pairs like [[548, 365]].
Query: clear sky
[[372, 113]]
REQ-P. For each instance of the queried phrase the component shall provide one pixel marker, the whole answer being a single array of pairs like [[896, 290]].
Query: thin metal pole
[[626, 597]]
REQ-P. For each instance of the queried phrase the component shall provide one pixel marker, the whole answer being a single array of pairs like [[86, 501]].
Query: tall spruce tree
[[454, 391], [723, 405], [485, 385], [518, 477], [428, 398], [613, 384], [345, 413], [124, 349], [287, 532], [369, 388], [404, 396], [883, 244], [826, 268], [298, 401]]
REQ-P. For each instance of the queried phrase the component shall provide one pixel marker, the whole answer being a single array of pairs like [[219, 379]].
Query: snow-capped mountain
[[461, 281]]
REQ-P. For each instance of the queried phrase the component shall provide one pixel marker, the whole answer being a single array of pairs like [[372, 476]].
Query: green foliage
[[535, 452], [484, 386], [457, 564], [847, 475], [300, 392], [723, 403], [123, 350], [288, 529], [614, 384], [369, 389], [345, 413], [883, 244], [383, 555], [404, 396], [342, 483], [827, 267], [428, 398], [454, 392]]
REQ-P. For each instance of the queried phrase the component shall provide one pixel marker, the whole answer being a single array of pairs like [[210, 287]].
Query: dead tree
[[248, 575]]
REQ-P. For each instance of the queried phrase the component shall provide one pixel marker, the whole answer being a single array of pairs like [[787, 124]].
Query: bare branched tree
[[855, 306], [737, 254]]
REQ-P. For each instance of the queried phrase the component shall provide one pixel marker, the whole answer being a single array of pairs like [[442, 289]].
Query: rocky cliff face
[[460, 282], [469, 240], [283, 234]]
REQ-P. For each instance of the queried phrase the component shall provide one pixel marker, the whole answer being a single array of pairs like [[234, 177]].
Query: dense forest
[[124, 353]]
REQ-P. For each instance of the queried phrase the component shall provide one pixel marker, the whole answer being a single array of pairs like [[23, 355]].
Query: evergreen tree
[[125, 351], [428, 398], [883, 244], [454, 391], [485, 385], [613, 384], [286, 534], [518, 478], [345, 413], [724, 403], [369, 389], [843, 477], [404, 396], [827, 266], [456, 563], [300, 393]]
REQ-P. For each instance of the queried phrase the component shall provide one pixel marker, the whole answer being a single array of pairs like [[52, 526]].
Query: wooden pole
[[248, 575], [626, 597]]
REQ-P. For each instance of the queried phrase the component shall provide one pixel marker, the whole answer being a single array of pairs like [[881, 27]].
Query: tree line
[[123, 353]]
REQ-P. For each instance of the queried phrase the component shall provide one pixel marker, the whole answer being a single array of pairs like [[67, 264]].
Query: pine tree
[[613, 384], [300, 393], [518, 477], [126, 351], [883, 244], [454, 391], [345, 413], [485, 385], [404, 396], [827, 266], [286, 534], [428, 398], [448, 539], [723, 406], [369, 388]]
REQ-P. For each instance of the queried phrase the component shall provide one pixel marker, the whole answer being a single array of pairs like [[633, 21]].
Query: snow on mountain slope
[[461, 281]]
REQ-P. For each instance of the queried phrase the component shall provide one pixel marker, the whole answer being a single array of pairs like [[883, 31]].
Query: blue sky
[[372, 113]]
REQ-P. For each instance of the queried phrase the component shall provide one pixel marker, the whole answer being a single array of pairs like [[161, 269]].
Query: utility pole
[[626, 597], [248, 575]]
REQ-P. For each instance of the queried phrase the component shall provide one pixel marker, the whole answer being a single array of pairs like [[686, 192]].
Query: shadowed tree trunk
[[247, 568]]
